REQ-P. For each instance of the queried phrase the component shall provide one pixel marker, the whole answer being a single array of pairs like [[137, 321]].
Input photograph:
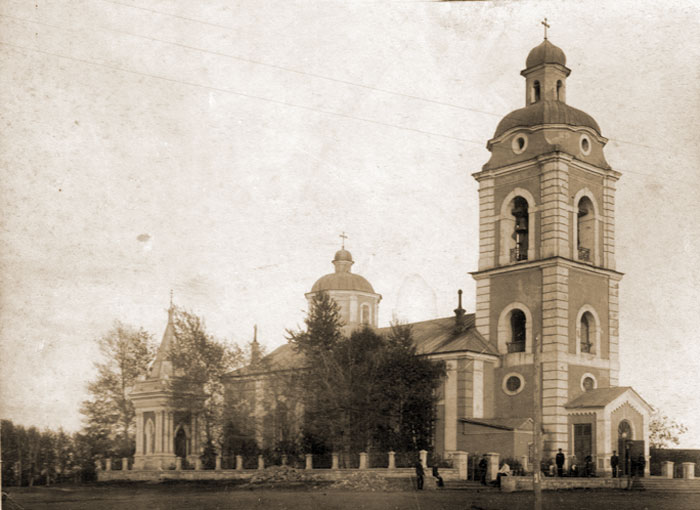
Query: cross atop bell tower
[[546, 26]]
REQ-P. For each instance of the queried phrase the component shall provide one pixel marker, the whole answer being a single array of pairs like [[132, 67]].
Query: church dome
[[545, 53], [342, 279], [546, 112]]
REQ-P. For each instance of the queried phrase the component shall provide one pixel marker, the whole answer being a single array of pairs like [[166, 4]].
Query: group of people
[[636, 469], [420, 476]]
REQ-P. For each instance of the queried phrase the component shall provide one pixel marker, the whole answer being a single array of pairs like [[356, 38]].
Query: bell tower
[[546, 251]]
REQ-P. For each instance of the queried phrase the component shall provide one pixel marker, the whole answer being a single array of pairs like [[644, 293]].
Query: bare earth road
[[174, 497]]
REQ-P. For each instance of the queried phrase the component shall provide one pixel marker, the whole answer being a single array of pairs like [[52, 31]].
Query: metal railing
[[517, 254], [516, 346]]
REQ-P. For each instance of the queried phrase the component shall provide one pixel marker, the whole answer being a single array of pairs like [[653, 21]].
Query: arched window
[[521, 230], [559, 85], [535, 91], [585, 228], [365, 315], [518, 331], [587, 333]]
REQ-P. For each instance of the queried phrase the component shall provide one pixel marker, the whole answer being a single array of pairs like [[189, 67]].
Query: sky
[[219, 149]]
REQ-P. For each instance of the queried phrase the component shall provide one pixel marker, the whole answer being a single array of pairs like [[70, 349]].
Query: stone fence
[[109, 471]]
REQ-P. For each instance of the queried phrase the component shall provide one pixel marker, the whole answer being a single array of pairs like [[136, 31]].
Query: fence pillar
[[392, 460], [524, 462], [284, 460], [218, 462], [108, 465], [239, 463], [261, 462], [461, 462], [178, 463], [493, 459], [424, 458], [98, 465], [309, 461], [198, 464], [363, 460], [667, 469], [335, 463], [125, 463], [689, 470]]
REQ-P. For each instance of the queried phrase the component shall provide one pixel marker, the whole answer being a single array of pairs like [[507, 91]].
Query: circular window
[[519, 143], [585, 144], [588, 382], [513, 383]]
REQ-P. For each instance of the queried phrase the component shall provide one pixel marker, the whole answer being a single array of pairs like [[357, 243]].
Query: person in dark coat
[[614, 462], [560, 463], [420, 474], [438, 478], [483, 466], [641, 463]]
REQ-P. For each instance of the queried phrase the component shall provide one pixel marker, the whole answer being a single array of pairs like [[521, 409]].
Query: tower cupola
[[545, 74]]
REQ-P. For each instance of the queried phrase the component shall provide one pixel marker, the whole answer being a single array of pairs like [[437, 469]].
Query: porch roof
[[501, 423]]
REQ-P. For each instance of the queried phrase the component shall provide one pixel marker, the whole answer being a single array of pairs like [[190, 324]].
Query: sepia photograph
[[350, 254]]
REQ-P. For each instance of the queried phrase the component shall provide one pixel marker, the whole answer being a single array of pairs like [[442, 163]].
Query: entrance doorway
[[583, 441], [181, 443]]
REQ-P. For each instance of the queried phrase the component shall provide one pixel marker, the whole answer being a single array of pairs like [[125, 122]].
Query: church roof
[[438, 336], [546, 112], [599, 397], [545, 53], [501, 423], [162, 368], [431, 337]]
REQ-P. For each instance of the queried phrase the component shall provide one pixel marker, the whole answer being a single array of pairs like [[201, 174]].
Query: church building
[[546, 273]]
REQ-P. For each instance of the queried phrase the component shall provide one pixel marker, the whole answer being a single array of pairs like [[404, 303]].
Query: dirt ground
[[183, 497]]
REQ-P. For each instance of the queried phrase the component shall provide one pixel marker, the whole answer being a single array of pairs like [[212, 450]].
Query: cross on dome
[[546, 26], [343, 237]]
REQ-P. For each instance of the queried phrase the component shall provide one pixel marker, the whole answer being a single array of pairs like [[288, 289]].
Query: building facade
[[546, 276]]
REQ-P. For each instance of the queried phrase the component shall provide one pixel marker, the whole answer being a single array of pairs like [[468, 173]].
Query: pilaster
[[487, 224], [613, 329], [483, 306], [555, 341], [554, 186], [159, 432], [478, 389], [451, 406], [609, 222]]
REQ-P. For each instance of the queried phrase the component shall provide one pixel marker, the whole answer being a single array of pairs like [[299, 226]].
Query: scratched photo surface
[[219, 149]]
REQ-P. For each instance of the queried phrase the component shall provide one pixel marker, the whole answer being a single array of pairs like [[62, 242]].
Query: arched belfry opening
[[535, 92], [585, 229], [520, 235], [587, 332], [518, 331]]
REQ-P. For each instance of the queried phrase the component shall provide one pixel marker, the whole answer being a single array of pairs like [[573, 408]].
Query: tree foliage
[[109, 413], [664, 432], [200, 363], [364, 391]]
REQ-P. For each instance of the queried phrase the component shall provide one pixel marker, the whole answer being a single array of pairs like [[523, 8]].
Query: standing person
[[483, 465], [438, 478], [560, 463], [614, 462], [420, 474], [641, 464]]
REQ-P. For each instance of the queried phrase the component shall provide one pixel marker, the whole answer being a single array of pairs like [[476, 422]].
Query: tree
[[109, 413], [200, 363], [366, 391], [664, 431]]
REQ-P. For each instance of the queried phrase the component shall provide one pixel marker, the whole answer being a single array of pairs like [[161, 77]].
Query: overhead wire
[[256, 62]]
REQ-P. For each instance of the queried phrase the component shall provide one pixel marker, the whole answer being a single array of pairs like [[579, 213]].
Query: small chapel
[[546, 271]]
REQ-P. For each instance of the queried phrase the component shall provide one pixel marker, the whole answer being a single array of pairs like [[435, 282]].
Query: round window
[[585, 144], [513, 383], [519, 143]]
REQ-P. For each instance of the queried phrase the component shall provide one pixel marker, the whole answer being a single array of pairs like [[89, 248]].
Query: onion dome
[[546, 112], [342, 279], [545, 53]]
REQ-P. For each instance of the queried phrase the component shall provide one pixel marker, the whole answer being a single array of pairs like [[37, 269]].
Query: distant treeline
[[31, 456]]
